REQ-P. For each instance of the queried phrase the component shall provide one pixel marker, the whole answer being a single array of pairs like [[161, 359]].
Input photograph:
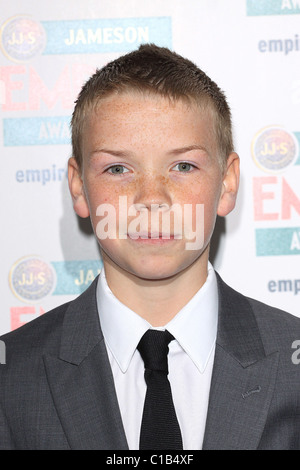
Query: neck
[[157, 301]]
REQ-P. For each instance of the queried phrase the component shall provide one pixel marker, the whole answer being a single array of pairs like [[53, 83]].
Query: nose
[[152, 193]]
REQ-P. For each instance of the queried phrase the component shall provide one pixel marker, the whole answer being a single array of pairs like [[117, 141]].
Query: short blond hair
[[156, 70]]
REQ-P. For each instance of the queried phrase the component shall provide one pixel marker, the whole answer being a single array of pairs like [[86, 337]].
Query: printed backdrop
[[251, 48]]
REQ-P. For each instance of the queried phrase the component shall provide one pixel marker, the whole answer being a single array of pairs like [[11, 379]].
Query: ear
[[76, 189], [230, 185]]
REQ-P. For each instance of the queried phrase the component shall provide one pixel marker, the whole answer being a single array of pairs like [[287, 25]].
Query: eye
[[117, 169], [184, 167]]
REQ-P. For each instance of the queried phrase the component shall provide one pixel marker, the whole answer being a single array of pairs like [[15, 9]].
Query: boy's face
[[153, 154]]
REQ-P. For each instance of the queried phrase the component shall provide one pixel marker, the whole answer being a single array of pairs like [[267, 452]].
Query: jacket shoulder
[[275, 323], [42, 333], [278, 328]]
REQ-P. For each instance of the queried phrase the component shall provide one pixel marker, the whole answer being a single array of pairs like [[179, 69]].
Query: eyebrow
[[177, 151], [115, 153], [189, 148]]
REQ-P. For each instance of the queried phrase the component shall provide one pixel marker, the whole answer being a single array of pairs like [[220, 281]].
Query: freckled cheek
[[206, 195], [101, 193], [195, 193]]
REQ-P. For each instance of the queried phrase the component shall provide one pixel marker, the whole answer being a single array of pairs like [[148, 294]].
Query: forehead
[[141, 100], [136, 118]]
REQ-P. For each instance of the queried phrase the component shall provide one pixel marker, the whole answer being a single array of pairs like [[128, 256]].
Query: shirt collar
[[194, 326]]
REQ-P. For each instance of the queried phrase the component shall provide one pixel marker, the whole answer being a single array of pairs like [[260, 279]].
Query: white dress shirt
[[190, 359]]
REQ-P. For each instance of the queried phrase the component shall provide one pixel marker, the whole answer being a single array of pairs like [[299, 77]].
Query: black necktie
[[160, 428]]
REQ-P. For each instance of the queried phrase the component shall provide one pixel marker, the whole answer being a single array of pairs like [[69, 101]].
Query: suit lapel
[[243, 377], [81, 380]]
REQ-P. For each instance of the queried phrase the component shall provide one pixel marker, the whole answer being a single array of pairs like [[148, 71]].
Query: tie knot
[[154, 349]]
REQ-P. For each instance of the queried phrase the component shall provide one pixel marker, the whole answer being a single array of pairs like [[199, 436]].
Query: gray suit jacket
[[57, 389]]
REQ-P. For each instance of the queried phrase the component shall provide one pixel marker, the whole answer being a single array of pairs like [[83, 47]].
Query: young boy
[[159, 353]]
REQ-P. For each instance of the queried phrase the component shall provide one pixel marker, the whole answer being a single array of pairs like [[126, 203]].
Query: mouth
[[153, 237]]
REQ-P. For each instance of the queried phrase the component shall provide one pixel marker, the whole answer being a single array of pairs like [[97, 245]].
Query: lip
[[152, 238]]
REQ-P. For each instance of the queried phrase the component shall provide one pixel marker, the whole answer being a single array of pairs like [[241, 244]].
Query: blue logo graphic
[[52, 130], [274, 149], [22, 38], [279, 45], [31, 279], [273, 7], [278, 241], [42, 176], [74, 277], [105, 35], [297, 135]]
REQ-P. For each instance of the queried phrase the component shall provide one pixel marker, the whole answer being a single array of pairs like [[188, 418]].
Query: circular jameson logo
[[274, 149], [22, 38], [31, 279]]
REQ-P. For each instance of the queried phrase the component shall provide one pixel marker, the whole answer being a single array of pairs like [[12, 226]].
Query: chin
[[154, 276], [156, 270]]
